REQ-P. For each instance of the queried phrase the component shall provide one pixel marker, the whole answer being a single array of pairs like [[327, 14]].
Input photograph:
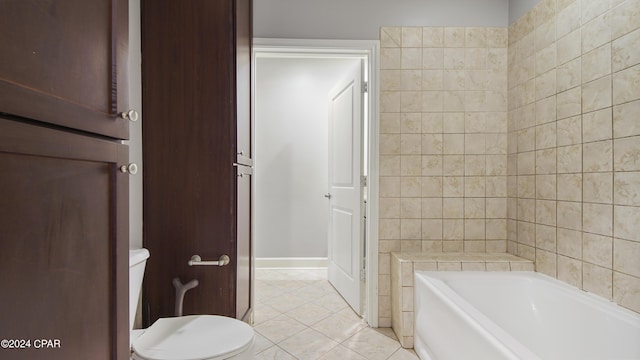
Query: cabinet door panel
[[65, 62], [63, 243], [189, 179]]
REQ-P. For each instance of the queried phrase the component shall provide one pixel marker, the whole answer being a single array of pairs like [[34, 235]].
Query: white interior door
[[345, 196]]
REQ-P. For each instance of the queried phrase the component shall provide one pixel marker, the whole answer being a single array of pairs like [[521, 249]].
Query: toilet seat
[[194, 337]]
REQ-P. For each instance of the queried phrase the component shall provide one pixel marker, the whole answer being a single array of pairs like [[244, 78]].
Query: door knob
[[328, 196], [130, 168], [131, 115]]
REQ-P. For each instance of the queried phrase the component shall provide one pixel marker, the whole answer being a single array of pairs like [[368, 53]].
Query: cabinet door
[[65, 63], [63, 244], [189, 150], [244, 249]]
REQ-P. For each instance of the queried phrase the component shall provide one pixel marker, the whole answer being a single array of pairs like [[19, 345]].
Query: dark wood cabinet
[[196, 138], [63, 243], [65, 63], [64, 219]]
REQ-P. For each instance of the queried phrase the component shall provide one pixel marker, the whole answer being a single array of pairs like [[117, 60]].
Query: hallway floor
[[299, 315]]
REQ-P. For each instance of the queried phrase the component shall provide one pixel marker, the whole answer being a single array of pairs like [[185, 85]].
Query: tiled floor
[[299, 315]]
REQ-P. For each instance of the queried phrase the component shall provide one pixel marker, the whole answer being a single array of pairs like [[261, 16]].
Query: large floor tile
[[371, 344], [342, 353], [299, 315], [279, 328], [308, 345]]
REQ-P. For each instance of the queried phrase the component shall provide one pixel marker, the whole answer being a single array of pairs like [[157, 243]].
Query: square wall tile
[[596, 63], [624, 52], [598, 187], [570, 271], [598, 219], [598, 156], [626, 222], [626, 290], [597, 94], [624, 18], [597, 280], [597, 249], [625, 119], [596, 32], [597, 125], [626, 188], [432, 37], [626, 85], [625, 257], [569, 243], [626, 154]]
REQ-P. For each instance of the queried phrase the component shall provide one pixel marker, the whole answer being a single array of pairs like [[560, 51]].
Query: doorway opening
[[292, 80]]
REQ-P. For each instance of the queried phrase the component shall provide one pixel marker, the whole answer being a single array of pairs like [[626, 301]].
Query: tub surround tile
[[625, 291], [411, 36], [570, 271], [569, 47], [433, 37], [626, 188], [624, 51], [568, 18], [390, 37], [597, 280], [626, 85], [596, 32], [625, 121], [597, 94], [597, 144], [565, 144], [624, 18], [625, 257], [597, 125], [598, 249]]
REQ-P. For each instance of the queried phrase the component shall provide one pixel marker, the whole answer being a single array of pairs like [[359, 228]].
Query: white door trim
[[370, 50]]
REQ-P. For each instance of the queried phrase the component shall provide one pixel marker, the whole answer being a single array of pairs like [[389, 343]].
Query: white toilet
[[194, 337]]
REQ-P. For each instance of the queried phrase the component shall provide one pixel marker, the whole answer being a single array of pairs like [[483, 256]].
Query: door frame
[[369, 50]]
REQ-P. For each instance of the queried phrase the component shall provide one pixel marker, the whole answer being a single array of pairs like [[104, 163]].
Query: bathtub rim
[[609, 306], [435, 279], [499, 338]]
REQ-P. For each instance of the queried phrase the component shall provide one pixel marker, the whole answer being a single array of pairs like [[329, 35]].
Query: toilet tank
[[137, 261]]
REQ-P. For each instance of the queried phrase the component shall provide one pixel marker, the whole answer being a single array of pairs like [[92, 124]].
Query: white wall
[[291, 152], [135, 144], [362, 19]]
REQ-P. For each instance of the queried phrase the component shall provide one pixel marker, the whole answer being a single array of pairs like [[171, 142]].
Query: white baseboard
[[292, 263]]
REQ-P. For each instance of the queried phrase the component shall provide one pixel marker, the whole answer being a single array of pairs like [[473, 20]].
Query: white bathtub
[[517, 315]]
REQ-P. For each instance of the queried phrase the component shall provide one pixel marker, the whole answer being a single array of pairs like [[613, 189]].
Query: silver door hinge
[[363, 180], [365, 86], [363, 275]]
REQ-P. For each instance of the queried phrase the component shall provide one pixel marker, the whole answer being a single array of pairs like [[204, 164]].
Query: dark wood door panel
[[196, 93], [63, 243], [189, 149], [65, 62]]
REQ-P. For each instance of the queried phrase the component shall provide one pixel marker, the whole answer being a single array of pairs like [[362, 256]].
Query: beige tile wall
[[574, 144], [443, 144]]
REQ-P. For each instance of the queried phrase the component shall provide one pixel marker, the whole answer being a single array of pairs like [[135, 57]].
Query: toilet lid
[[195, 337]]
